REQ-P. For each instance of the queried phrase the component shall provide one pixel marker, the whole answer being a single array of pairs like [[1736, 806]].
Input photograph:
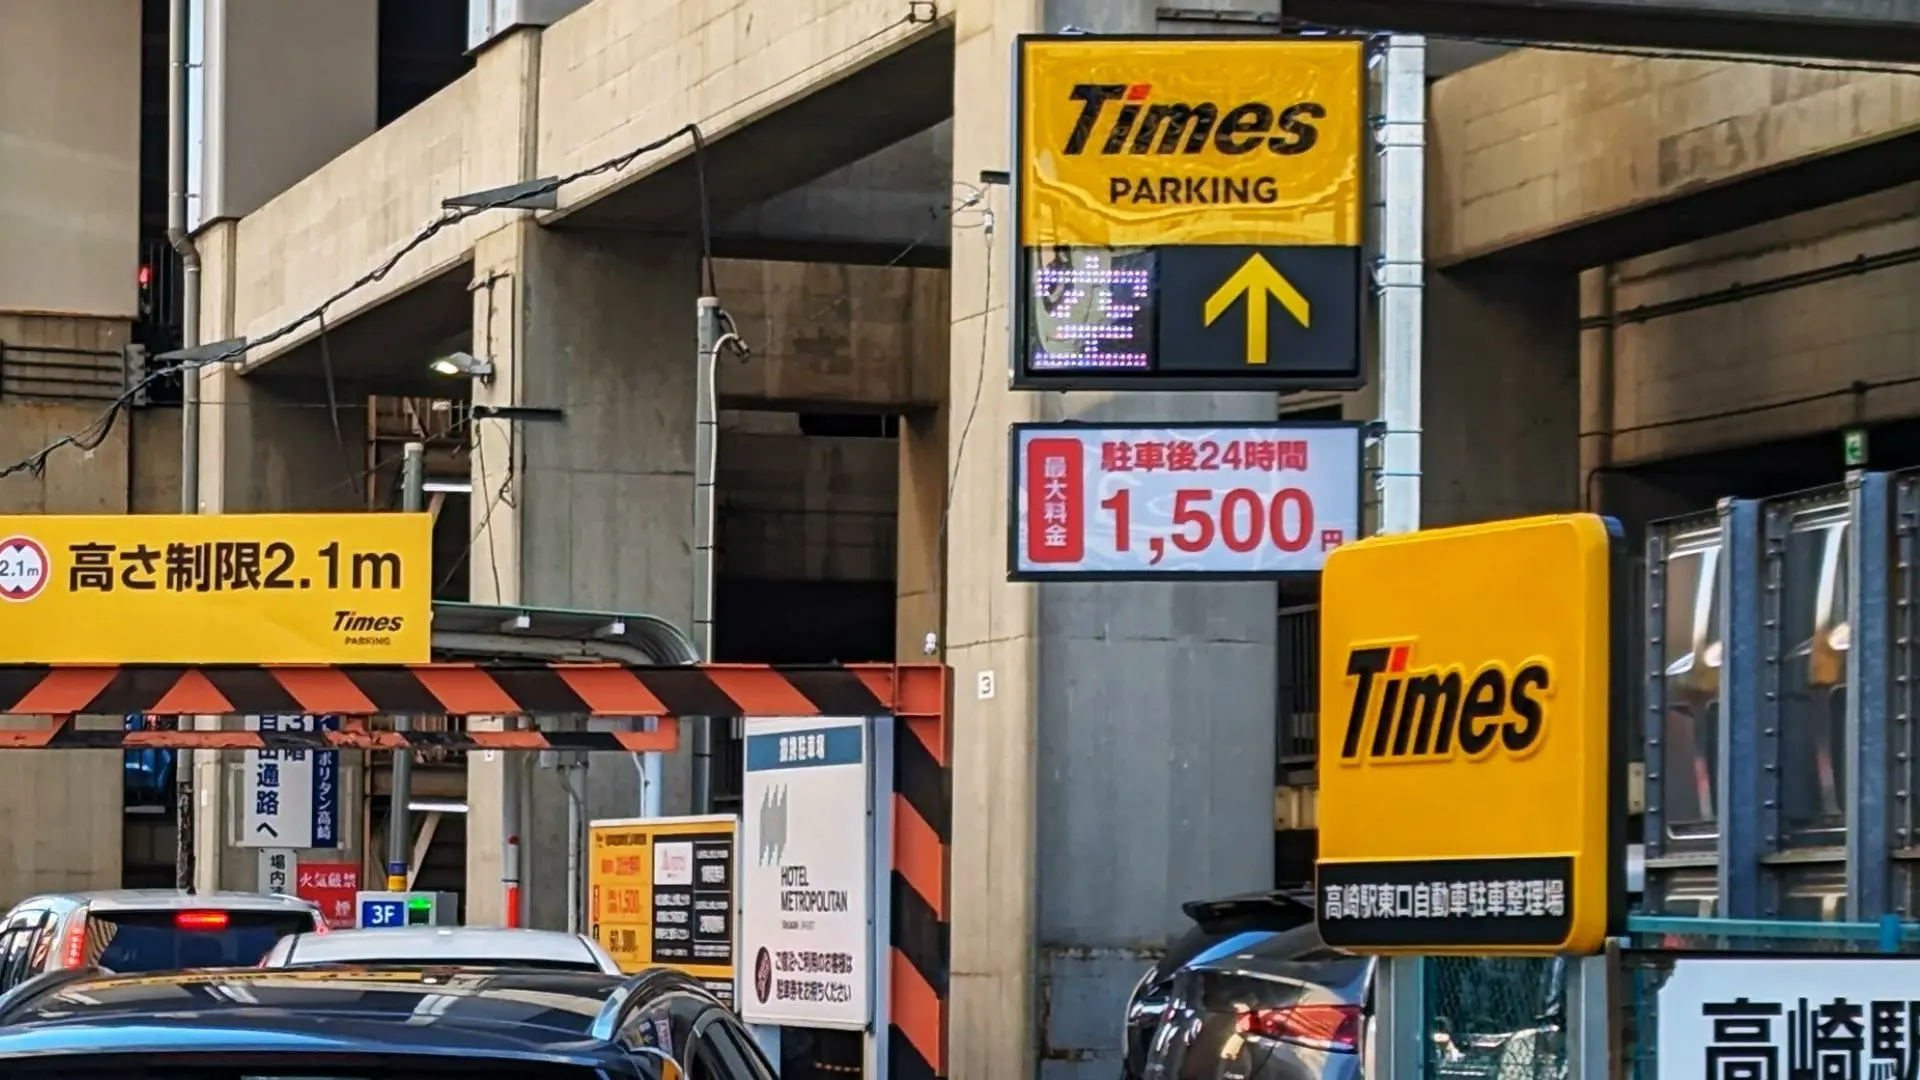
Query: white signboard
[[1775, 1017], [804, 904], [1139, 501], [278, 867], [291, 796]]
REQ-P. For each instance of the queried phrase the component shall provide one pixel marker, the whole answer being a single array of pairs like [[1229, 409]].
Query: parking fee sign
[[1140, 501]]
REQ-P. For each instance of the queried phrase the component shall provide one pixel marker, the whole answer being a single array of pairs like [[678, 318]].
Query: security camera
[[460, 363]]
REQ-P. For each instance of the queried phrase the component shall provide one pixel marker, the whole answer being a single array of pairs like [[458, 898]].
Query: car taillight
[[201, 920], [73, 952], [1323, 1027]]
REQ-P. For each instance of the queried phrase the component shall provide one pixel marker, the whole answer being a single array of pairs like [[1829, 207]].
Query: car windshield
[[134, 942]]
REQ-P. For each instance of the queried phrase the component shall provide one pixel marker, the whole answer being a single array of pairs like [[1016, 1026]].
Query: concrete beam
[[835, 338], [1575, 160], [889, 208], [357, 211], [783, 93], [779, 102], [1887, 30]]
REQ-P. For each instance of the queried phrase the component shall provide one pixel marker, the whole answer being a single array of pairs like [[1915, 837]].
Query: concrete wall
[[844, 337], [1534, 142], [616, 75], [1702, 380], [69, 156], [359, 208], [289, 85], [70, 799], [604, 80], [804, 508]]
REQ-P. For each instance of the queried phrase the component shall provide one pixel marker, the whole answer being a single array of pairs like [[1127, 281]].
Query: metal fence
[[1496, 1019], [1657, 942], [1298, 719]]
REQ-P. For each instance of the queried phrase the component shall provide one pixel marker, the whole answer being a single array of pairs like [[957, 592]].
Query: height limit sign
[[1189, 213]]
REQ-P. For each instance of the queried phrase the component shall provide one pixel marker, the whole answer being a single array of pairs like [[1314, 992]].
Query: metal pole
[[510, 818], [177, 34], [1400, 276], [1589, 1018], [706, 422], [413, 499], [575, 776]]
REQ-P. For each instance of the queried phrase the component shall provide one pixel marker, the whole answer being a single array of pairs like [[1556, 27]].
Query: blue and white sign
[[383, 913], [291, 798], [805, 900]]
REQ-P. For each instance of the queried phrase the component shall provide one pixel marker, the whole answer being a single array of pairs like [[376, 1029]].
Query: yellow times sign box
[[661, 893], [1472, 767], [1143, 142], [216, 589]]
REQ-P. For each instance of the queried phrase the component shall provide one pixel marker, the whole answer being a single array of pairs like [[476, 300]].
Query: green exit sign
[[1854, 448]]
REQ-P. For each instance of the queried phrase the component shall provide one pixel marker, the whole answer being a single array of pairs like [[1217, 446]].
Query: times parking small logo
[[24, 568]]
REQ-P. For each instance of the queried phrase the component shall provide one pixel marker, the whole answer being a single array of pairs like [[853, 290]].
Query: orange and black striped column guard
[[922, 838]]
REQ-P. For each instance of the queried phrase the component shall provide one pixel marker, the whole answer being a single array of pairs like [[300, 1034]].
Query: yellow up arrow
[[1257, 280]]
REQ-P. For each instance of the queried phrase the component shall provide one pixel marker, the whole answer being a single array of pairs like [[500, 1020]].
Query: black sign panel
[[1447, 904], [693, 922], [1201, 317]]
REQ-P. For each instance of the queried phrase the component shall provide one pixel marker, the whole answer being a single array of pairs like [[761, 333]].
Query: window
[[137, 941], [20, 933], [722, 1052], [665, 1023]]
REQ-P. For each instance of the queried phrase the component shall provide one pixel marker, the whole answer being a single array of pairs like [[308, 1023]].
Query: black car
[[360, 1023], [1250, 992]]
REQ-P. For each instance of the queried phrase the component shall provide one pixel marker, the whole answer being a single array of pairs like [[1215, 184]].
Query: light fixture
[[518, 412], [539, 194], [436, 806], [449, 487], [460, 363], [210, 353]]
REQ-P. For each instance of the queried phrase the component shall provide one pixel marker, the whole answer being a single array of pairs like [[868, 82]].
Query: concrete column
[[592, 512], [268, 449], [919, 577], [286, 86], [1124, 763], [1501, 410]]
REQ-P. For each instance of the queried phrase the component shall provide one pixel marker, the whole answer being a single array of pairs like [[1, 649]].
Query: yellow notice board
[[1145, 142], [1472, 771], [216, 589], [661, 894]]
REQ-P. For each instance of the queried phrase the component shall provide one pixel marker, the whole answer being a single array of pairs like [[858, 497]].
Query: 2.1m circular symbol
[[24, 568]]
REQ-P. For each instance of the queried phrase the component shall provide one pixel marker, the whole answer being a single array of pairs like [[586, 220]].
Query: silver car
[[450, 946], [135, 931]]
